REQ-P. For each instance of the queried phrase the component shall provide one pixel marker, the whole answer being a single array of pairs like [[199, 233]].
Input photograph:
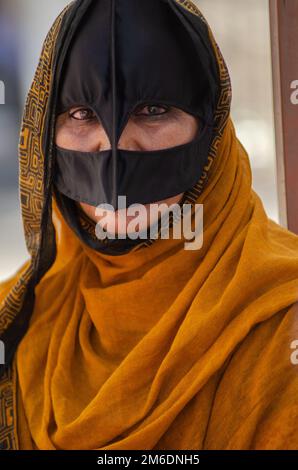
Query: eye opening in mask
[[167, 114], [135, 112], [147, 153]]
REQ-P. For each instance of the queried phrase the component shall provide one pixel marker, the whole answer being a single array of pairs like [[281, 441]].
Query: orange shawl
[[165, 348]]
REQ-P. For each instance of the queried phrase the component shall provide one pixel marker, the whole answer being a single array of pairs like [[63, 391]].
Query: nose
[[130, 138], [102, 140]]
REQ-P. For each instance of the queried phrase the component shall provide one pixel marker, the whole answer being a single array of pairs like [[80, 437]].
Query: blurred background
[[241, 29]]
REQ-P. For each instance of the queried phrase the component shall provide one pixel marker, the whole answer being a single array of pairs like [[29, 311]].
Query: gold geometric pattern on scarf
[[31, 165], [7, 437], [191, 7]]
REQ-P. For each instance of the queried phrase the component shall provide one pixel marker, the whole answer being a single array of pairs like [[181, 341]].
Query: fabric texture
[[162, 347]]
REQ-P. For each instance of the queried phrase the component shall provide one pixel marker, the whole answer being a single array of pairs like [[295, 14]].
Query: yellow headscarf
[[167, 348]]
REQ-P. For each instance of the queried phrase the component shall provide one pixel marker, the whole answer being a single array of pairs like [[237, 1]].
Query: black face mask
[[123, 54]]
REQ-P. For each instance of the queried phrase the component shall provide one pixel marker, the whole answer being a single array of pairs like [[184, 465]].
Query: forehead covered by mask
[[132, 51], [125, 53]]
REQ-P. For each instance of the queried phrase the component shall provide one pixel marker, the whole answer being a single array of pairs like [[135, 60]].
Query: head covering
[[112, 69], [160, 347]]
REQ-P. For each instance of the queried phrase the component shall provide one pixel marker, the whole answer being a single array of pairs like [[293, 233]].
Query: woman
[[133, 343]]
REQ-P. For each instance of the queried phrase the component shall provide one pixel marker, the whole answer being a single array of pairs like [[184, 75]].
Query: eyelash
[[142, 115], [72, 114], [166, 108]]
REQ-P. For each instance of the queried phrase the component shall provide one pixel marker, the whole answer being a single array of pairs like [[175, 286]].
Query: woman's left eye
[[82, 114], [153, 110]]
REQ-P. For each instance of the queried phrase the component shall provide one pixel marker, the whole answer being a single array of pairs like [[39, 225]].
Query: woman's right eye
[[82, 114]]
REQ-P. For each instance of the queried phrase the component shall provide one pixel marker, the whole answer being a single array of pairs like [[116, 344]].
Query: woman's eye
[[153, 110], [82, 114]]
